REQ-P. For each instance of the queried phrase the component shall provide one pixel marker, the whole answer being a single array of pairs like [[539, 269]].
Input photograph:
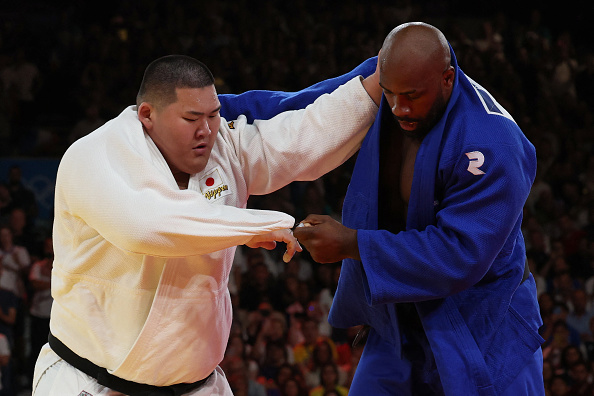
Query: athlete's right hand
[[268, 241]]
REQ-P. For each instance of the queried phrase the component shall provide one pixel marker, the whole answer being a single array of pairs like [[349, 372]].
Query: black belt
[[115, 383]]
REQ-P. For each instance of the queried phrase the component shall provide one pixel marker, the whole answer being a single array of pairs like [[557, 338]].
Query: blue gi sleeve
[[263, 104]]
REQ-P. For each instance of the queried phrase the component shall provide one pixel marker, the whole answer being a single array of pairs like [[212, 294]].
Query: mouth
[[408, 125], [200, 148]]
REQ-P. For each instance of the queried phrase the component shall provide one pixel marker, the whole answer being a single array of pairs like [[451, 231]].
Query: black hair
[[164, 75]]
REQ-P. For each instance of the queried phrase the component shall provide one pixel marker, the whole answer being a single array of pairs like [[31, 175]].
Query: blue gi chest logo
[[213, 186], [477, 159]]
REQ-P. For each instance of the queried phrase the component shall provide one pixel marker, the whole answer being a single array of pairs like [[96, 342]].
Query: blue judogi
[[460, 260]]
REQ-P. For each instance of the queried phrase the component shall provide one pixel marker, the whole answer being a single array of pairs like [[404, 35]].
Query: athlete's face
[[185, 131], [417, 97]]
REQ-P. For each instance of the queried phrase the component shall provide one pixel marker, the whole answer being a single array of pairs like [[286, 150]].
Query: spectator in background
[[9, 306], [563, 284], [580, 374], [236, 346], [559, 386], [580, 315], [6, 203], [556, 344], [4, 360], [41, 301], [21, 195], [286, 291], [329, 382], [91, 121], [274, 329], [570, 355], [285, 372], [23, 231], [257, 286], [322, 355], [275, 357], [15, 263], [238, 375], [587, 344], [303, 351], [22, 81], [558, 313], [293, 387]]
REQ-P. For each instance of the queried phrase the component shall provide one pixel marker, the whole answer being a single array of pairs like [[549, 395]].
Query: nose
[[202, 128], [401, 107]]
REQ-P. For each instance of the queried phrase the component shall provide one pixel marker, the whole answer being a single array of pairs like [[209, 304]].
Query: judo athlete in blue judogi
[[434, 258]]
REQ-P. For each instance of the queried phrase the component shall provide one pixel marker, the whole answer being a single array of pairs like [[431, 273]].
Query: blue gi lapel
[[351, 305], [421, 205]]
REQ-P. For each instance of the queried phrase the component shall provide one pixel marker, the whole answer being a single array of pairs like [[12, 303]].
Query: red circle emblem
[[209, 181]]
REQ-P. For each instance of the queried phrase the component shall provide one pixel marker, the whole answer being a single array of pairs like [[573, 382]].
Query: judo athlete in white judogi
[[148, 211]]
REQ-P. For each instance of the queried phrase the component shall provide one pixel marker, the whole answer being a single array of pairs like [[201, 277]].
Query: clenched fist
[[327, 240]]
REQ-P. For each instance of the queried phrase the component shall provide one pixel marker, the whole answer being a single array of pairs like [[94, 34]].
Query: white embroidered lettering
[[477, 159], [217, 191]]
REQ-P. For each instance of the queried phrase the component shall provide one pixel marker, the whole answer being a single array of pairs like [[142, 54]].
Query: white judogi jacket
[[141, 267]]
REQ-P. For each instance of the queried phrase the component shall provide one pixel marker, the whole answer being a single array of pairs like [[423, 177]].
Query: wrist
[[352, 245]]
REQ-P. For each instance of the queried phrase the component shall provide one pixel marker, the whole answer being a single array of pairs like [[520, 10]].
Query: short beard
[[425, 125]]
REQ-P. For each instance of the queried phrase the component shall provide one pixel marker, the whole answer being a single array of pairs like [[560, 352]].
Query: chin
[[197, 168]]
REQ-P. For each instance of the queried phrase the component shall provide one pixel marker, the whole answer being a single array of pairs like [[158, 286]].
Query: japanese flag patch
[[213, 186]]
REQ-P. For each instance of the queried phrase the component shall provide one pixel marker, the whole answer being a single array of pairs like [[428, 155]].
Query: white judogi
[[141, 267]]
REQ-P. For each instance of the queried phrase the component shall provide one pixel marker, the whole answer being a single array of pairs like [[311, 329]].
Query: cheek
[[214, 124]]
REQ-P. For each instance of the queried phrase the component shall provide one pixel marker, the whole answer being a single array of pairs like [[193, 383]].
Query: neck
[[182, 179]]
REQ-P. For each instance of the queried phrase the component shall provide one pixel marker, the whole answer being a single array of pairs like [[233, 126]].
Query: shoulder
[[477, 122], [125, 130]]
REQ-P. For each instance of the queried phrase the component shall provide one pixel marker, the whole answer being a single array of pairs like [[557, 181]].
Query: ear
[[145, 114], [448, 77]]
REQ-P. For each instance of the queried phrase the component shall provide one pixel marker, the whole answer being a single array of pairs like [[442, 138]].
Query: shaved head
[[416, 75], [414, 46]]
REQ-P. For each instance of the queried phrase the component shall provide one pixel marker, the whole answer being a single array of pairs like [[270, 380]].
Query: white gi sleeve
[[303, 144], [107, 182]]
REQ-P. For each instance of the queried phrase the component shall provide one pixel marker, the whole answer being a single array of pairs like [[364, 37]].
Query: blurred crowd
[[68, 67]]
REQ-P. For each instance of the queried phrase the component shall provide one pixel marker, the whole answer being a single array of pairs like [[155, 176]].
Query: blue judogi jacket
[[461, 258]]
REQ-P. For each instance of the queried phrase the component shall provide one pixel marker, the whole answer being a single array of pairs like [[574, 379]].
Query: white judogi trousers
[[55, 377]]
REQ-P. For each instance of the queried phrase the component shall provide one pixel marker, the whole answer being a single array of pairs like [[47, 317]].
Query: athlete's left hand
[[268, 241]]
